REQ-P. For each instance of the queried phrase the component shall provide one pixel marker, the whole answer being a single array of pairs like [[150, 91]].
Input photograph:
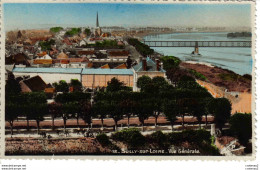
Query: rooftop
[[73, 71], [151, 66], [47, 70], [35, 83]]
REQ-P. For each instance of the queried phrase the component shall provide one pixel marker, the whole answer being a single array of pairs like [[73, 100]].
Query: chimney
[[144, 65], [157, 64]]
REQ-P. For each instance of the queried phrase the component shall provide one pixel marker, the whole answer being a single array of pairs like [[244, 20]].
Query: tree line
[[156, 97]]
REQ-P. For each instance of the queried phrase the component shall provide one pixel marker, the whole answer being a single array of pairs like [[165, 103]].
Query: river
[[238, 60]]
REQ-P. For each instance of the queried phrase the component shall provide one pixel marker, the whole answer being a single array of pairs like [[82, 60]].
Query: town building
[[147, 67], [33, 84], [49, 74], [92, 78]]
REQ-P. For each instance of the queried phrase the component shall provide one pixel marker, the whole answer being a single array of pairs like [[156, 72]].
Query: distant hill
[[239, 34]]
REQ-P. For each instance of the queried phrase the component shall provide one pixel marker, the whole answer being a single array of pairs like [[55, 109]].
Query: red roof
[[67, 41]]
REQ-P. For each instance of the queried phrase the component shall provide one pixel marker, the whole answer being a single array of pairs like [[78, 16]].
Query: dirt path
[[241, 101]]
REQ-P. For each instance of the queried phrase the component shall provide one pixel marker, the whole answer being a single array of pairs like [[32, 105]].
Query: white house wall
[[51, 77]]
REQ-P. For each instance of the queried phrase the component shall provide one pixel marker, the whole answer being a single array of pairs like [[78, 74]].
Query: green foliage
[[62, 86], [72, 97], [228, 76], [12, 111], [241, 126], [132, 137], [70, 109], [159, 138], [46, 45], [12, 86], [103, 139], [247, 76], [76, 84], [142, 48], [115, 85], [87, 31], [187, 82], [73, 32], [56, 29], [106, 44], [171, 110], [38, 111], [221, 109], [159, 82], [191, 136], [197, 75], [143, 81], [170, 62]]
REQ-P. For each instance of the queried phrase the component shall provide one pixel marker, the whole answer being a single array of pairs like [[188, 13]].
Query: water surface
[[238, 60]]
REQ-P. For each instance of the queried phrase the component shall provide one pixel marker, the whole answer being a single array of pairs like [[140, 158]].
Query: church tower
[[98, 31], [97, 23]]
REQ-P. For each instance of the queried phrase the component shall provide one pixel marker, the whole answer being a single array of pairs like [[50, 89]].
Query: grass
[[198, 75]]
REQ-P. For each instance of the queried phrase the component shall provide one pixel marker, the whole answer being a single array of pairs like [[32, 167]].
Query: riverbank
[[225, 83], [221, 77]]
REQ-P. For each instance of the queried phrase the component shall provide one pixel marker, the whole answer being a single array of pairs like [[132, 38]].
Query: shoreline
[[142, 35]]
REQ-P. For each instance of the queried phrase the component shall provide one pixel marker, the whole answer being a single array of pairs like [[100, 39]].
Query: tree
[[115, 85], [86, 113], [100, 111], [127, 104], [68, 110], [171, 111], [159, 81], [174, 74], [207, 103], [187, 82], [87, 31], [37, 113], [221, 109], [170, 62], [241, 126], [183, 105], [12, 111], [156, 103], [62, 86], [46, 45], [143, 109], [12, 86], [72, 97], [198, 111], [29, 102], [55, 29], [115, 112], [143, 81], [54, 111], [76, 84]]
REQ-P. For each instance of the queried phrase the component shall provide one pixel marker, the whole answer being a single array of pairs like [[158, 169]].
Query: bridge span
[[246, 44]]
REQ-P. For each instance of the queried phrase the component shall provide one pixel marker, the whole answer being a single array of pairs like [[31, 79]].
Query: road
[[108, 122]]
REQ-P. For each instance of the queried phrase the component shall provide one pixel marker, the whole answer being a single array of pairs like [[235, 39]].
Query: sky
[[38, 15]]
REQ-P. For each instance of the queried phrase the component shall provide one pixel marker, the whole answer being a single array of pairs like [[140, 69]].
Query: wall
[[51, 77], [90, 81], [150, 74]]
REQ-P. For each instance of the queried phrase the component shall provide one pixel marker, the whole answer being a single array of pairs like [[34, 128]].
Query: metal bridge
[[247, 44]]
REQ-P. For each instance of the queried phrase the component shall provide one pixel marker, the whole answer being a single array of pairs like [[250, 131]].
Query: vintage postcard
[[171, 80]]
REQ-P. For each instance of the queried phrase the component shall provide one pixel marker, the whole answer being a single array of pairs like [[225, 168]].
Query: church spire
[[97, 23]]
